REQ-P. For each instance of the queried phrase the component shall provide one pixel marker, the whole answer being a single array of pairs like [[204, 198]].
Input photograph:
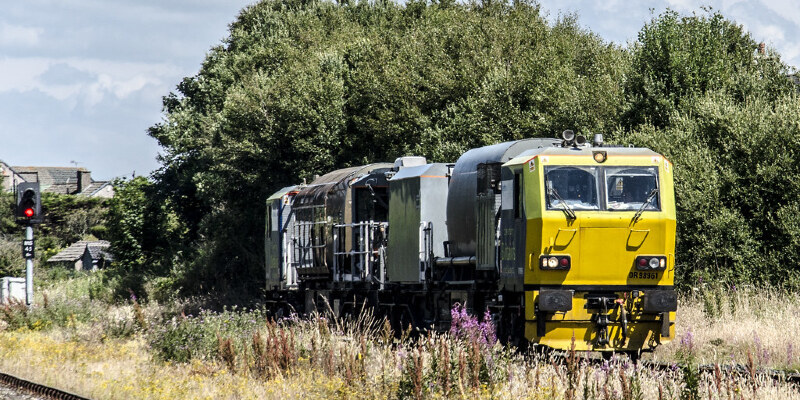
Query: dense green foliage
[[301, 88], [304, 87], [728, 119], [67, 219]]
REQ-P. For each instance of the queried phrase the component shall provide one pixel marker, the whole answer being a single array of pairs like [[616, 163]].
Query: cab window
[[631, 188], [571, 187]]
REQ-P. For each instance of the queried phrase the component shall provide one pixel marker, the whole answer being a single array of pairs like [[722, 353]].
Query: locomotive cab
[[599, 240]]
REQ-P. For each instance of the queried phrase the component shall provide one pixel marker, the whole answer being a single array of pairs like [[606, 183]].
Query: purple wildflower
[[687, 340], [465, 326], [401, 356], [761, 351]]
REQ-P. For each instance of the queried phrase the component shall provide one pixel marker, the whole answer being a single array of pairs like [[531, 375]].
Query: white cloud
[[682, 5], [101, 78], [767, 32], [17, 35], [787, 9]]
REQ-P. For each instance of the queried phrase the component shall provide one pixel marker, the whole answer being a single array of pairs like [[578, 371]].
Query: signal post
[[28, 212]]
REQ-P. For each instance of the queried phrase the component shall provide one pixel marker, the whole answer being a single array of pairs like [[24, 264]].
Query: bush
[[727, 118], [188, 337], [302, 88]]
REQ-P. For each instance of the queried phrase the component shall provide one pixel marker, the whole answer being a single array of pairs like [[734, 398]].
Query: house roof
[[62, 180], [52, 179], [94, 188], [97, 249]]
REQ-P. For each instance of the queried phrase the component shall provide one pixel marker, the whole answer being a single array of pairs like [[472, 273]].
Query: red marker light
[[29, 212], [642, 262], [564, 262]]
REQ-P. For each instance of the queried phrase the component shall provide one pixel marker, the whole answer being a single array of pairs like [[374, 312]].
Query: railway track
[[37, 390], [45, 392], [738, 370]]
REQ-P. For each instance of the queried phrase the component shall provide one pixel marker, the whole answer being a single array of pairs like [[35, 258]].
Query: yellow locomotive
[[557, 238], [600, 247]]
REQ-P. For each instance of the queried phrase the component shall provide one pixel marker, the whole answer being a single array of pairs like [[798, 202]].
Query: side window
[[274, 220], [517, 195], [269, 221]]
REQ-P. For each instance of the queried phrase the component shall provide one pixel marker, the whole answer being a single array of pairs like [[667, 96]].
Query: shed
[[85, 255]]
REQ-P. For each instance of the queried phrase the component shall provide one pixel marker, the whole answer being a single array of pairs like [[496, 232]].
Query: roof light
[[599, 156]]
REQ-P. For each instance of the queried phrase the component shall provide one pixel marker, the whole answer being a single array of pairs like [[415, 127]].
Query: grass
[[153, 351], [729, 325]]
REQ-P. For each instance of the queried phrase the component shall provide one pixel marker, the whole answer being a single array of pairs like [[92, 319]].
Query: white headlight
[[654, 263], [552, 262]]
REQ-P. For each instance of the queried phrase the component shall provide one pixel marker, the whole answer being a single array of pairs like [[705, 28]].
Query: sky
[[82, 80]]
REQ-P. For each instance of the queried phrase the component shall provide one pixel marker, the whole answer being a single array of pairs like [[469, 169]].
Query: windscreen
[[571, 187], [628, 188]]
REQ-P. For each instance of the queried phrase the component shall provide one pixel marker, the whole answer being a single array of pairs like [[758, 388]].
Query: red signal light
[[29, 212], [564, 262], [642, 262]]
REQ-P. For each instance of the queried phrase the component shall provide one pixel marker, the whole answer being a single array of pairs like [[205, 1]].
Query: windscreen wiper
[[650, 198], [567, 209]]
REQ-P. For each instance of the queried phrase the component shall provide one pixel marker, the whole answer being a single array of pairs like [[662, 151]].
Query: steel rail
[[38, 389], [740, 370]]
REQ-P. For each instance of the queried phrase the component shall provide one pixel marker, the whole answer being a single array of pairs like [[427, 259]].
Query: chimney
[[84, 179]]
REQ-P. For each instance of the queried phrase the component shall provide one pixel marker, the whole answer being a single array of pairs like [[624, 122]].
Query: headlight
[[650, 263], [555, 261]]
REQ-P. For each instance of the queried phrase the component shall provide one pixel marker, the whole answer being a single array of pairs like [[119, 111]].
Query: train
[[566, 243]]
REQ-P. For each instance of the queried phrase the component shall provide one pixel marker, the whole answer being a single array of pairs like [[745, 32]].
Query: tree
[[727, 118], [304, 87], [677, 58]]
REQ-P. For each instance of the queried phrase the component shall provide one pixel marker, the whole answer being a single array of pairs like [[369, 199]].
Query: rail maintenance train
[[557, 238]]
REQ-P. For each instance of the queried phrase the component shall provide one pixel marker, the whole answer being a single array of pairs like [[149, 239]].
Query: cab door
[[513, 225]]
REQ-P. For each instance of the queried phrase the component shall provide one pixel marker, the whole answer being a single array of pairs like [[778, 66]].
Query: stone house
[[10, 177], [84, 255], [64, 180]]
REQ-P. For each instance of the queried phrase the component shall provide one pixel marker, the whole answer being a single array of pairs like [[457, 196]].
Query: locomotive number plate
[[643, 275]]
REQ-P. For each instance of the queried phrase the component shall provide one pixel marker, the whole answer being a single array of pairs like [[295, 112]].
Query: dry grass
[[724, 325], [250, 357]]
